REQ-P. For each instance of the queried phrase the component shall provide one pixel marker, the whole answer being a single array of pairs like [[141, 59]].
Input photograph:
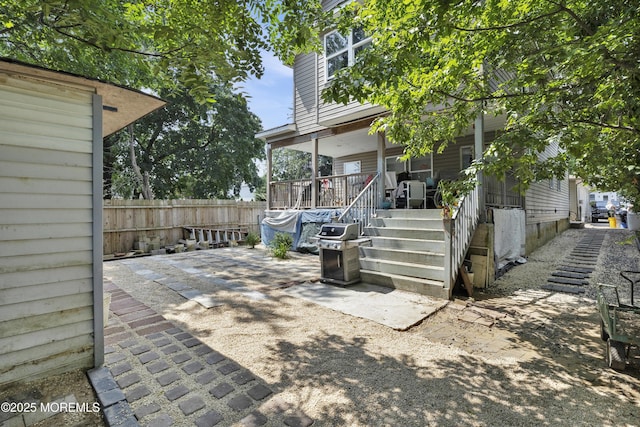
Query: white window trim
[[472, 148], [395, 158], [350, 49], [422, 170], [351, 167]]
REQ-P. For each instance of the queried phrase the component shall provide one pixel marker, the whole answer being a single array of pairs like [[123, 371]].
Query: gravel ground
[[47, 392], [512, 356], [538, 360]]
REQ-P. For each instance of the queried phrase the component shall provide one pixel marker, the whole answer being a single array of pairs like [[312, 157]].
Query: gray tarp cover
[[287, 221], [301, 225]]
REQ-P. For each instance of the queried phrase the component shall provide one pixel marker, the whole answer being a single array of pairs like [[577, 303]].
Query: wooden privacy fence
[[127, 221]]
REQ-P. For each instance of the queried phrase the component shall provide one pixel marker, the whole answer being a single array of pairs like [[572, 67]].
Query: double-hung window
[[342, 50]]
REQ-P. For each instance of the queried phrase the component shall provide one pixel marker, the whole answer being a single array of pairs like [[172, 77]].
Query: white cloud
[[274, 65]]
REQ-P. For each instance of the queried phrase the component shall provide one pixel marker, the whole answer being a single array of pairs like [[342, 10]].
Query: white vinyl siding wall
[[46, 200]]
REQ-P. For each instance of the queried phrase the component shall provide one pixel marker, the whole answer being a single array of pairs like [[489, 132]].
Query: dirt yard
[[515, 355]]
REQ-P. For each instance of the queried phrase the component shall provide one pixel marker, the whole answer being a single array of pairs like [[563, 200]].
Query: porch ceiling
[[359, 141], [345, 144]]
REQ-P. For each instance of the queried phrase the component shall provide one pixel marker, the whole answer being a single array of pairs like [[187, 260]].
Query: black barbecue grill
[[339, 254]]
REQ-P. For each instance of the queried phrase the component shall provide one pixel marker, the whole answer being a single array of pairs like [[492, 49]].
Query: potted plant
[[451, 192], [449, 198]]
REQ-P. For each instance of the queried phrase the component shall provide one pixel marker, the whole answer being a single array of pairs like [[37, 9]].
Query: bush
[[281, 244], [252, 240]]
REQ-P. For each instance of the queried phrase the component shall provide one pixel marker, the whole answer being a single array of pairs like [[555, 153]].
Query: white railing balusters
[[458, 233], [363, 206]]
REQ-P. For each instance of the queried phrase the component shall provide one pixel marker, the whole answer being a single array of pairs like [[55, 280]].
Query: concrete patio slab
[[393, 308]]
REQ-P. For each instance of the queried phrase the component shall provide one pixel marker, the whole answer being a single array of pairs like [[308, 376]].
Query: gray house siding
[[545, 202], [546, 208], [331, 112], [548, 200], [447, 164], [368, 162], [46, 228], [311, 114], [330, 4], [310, 111], [306, 94]]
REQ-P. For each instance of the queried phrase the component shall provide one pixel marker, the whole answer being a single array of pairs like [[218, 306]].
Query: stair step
[[408, 244], [427, 287], [408, 256], [413, 223], [406, 252], [403, 268], [407, 233], [410, 213]]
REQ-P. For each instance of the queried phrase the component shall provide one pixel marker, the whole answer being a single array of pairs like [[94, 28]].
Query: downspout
[[98, 305], [317, 90], [314, 138]]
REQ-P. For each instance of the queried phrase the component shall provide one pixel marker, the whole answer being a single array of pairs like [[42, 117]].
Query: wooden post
[[314, 172], [479, 151], [381, 168], [447, 224], [269, 174]]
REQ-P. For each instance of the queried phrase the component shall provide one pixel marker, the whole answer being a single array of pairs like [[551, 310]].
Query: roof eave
[[121, 105]]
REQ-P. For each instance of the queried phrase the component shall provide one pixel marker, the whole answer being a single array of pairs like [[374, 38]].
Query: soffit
[[122, 106]]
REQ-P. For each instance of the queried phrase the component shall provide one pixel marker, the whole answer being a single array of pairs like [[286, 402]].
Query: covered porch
[[360, 158]]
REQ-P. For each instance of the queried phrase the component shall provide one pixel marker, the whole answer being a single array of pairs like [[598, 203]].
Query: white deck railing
[[334, 191], [364, 206], [458, 234]]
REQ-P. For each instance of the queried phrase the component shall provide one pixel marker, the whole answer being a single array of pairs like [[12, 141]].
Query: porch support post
[[314, 171], [269, 174], [479, 151], [381, 168]]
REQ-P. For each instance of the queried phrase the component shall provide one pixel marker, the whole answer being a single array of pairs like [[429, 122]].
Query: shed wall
[[46, 220]]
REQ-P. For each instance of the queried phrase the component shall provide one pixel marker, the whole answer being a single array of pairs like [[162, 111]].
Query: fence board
[[126, 221]]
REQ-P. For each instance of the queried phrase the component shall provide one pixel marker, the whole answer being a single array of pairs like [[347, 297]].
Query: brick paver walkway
[[156, 374]]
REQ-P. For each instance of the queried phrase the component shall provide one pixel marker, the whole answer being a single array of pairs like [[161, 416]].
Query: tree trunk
[[143, 180], [107, 168]]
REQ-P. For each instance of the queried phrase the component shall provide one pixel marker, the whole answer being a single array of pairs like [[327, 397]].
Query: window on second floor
[[342, 50]]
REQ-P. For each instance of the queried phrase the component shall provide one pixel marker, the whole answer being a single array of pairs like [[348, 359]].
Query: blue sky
[[271, 97]]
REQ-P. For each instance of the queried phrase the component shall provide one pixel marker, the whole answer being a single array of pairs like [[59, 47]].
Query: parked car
[[599, 211]]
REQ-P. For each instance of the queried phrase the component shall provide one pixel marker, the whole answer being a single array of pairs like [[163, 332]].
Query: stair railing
[[459, 230], [364, 206]]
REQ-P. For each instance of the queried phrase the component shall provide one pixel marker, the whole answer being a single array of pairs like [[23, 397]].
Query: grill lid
[[336, 231]]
